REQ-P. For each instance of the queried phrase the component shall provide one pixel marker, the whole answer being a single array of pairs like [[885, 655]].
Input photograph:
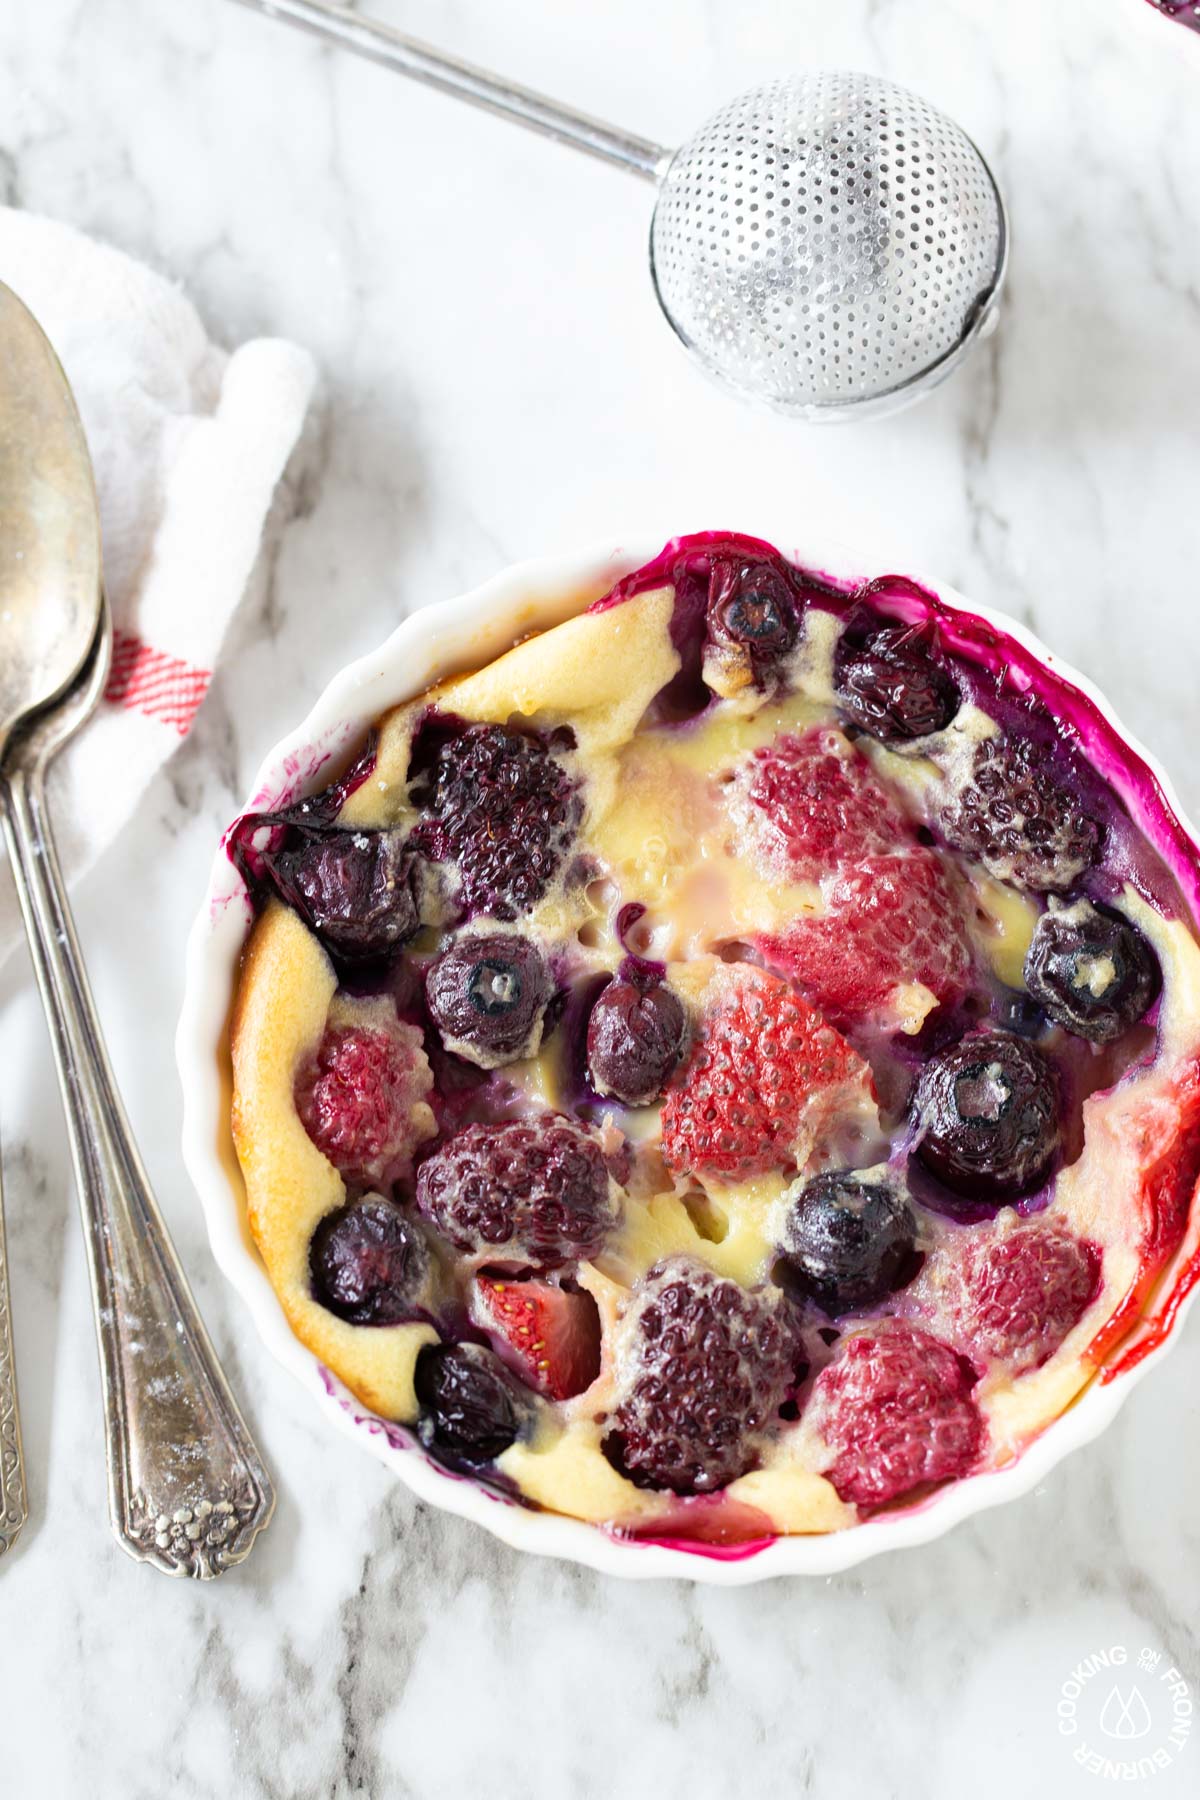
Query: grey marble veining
[[497, 384]]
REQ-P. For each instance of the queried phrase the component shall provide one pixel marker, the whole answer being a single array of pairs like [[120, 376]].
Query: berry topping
[[470, 1409], [702, 1369], [888, 685], [986, 1112], [889, 922], [766, 1074], [362, 1101], [1021, 1291], [499, 806], [895, 1408], [354, 889], [369, 1263], [1021, 823], [487, 995], [634, 1040], [1092, 971], [806, 805], [752, 608], [847, 1241], [532, 1194], [551, 1336]]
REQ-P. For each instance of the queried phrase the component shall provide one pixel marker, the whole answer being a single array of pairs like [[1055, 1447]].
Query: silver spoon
[[187, 1489], [14, 1508]]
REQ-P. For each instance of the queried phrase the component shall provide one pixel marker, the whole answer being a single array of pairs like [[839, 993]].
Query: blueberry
[[470, 1409], [752, 607], [354, 889], [369, 1263], [1093, 972], [634, 1040], [487, 995], [888, 685], [847, 1242], [987, 1115]]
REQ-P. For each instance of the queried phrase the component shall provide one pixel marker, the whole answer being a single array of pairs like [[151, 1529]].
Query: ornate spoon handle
[[187, 1489], [13, 1507]]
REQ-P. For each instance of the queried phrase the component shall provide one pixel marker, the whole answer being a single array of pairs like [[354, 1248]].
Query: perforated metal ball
[[829, 244]]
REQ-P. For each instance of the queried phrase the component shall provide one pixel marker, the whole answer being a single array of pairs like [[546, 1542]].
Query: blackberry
[[847, 1242], [501, 808], [471, 1409], [1093, 972], [634, 1040], [1019, 821], [530, 1194], [986, 1111], [888, 685], [487, 996], [369, 1263], [704, 1368]]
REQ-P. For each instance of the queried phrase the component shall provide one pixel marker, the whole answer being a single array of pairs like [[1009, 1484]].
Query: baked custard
[[732, 1063]]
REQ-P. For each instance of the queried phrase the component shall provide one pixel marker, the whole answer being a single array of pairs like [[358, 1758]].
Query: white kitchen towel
[[188, 443]]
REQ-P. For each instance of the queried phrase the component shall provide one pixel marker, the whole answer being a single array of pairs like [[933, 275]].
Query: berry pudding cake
[[732, 1063]]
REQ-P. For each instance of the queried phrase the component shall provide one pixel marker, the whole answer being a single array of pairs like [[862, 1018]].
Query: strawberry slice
[[551, 1337], [890, 921], [804, 806], [767, 1075]]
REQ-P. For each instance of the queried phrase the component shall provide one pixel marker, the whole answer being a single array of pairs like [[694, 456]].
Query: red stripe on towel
[[149, 681]]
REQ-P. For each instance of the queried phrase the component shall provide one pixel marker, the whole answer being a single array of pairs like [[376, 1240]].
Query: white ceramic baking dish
[[433, 642]]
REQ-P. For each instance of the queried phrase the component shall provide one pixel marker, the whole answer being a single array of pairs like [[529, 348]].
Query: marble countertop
[[497, 383]]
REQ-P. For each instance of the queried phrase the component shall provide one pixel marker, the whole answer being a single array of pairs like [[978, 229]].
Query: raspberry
[[1021, 1292], [703, 1369], [362, 1101], [504, 811], [895, 1408], [1019, 821], [806, 805], [889, 686], [534, 1194], [889, 921], [765, 1074], [369, 1263], [634, 1040]]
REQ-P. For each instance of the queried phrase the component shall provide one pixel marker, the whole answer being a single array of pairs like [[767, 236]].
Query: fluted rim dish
[[432, 642]]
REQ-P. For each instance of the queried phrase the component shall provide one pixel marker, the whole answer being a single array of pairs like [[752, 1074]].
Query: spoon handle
[[13, 1507], [187, 1489]]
